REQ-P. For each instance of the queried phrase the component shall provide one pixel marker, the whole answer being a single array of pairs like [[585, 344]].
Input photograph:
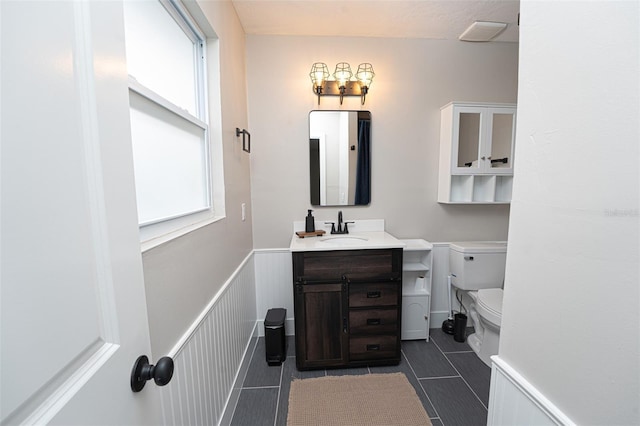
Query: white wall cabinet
[[417, 265], [477, 142]]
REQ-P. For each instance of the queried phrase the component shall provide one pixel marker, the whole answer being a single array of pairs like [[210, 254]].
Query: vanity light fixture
[[342, 75], [342, 84], [319, 74]]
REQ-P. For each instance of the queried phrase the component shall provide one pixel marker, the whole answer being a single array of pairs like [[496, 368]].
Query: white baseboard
[[437, 318], [234, 396], [515, 401]]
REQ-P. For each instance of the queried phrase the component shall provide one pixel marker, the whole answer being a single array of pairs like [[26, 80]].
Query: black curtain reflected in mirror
[[363, 167], [314, 170]]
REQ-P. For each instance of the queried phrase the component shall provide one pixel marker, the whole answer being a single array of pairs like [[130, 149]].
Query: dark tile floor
[[451, 381]]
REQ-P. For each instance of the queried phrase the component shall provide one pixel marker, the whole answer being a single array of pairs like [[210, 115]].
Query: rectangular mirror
[[340, 158]]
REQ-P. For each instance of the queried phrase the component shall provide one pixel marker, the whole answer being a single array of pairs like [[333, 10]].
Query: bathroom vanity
[[347, 300]]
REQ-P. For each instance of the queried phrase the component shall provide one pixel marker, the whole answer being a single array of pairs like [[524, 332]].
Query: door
[[321, 325], [468, 128], [73, 314], [501, 128]]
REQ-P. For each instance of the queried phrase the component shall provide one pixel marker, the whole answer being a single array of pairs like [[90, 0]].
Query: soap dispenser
[[310, 225]]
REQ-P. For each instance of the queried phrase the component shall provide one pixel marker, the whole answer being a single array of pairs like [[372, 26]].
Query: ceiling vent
[[482, 31]]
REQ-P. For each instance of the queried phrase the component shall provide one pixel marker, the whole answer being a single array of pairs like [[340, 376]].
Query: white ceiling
[[435, 19]]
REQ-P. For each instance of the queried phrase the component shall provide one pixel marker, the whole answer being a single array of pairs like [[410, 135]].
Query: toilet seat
[[489, 305]]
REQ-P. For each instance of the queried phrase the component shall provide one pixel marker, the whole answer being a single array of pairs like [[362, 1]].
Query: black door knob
[[161, 373]]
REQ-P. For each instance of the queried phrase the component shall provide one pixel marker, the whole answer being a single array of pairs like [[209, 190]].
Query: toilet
[[477, 268]]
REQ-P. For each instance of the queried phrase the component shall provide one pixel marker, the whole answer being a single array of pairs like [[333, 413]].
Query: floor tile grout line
[[438, 346], [468, 385], [253, 351], [459, 375], [421, 387], [462, 377], [260, 387], [439, 377], [275, 419], [474, 393]]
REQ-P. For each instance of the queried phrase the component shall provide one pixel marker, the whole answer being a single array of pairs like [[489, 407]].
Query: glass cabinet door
[[502, 128], [469, 135]]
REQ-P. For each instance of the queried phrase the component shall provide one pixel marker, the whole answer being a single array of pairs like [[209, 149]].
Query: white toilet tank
[[477, 264]]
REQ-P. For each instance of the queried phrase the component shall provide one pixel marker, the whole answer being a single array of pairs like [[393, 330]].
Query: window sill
[[161, 239]]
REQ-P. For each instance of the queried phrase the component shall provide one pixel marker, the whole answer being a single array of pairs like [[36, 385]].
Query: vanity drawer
[[354, 264], [373, 347], [373, 321], [374, 294]]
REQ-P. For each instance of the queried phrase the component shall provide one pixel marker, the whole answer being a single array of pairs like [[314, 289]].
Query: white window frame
[[159, 231]]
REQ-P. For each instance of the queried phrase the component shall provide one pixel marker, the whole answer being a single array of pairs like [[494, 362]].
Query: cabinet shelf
[[414, 266], [409, 293]]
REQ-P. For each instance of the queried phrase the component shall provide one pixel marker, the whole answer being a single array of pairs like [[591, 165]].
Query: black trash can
[[274, 336], [460, 327]]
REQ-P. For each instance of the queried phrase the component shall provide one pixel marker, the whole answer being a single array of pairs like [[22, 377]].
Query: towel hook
[[246, 139]]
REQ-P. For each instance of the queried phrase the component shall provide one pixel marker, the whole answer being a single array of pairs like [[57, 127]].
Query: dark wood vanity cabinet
[[347, 307]]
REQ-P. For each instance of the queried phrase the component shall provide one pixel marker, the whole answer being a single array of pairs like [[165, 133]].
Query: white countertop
[[350, 241]]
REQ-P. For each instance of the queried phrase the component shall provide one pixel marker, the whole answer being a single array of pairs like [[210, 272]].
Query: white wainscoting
[[515, 401], [209, 356], [439, 305], [274, 285]]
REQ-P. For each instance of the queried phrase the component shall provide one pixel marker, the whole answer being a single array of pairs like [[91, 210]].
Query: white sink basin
[[356, 241], [343, 240]]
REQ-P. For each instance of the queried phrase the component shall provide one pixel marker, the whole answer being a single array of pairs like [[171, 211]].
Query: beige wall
[[414, 78], [182, 276], [571, 324]]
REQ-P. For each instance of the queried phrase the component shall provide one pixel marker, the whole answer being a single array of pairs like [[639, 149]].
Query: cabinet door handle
[[344, 324], [373, 294], [373, 347], [373, 321]]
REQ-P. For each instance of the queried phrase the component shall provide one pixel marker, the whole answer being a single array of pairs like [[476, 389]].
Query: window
[[168, 111]]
